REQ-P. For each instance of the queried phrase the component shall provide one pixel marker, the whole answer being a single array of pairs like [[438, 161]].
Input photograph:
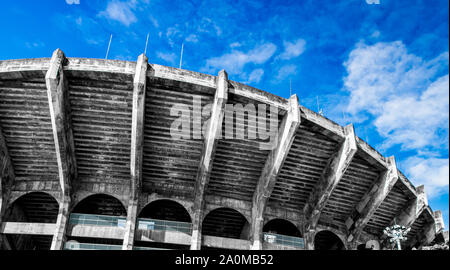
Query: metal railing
[[86, 246], [164, 225], [97, 220], [149, 248], [284, 240]]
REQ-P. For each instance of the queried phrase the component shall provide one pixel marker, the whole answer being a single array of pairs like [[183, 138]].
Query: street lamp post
[[397, 233]]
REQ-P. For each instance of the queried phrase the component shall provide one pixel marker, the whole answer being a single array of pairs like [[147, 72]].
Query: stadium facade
[[89, 161]]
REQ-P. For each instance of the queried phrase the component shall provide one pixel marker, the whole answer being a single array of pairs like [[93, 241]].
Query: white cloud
[[292, 49], [400, 92], [407, 99], [154, 21], [413, 121], [75, 2], [173, 34], [192, 38], [120, 11], [286, 71], [168, 57], [207, 25], [79, 21], [35, 44], [235, 45], [235, 61], [256, 75], [431, 172]]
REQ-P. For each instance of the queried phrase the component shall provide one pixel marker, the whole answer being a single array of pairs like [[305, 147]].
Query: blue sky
[[383, 67]]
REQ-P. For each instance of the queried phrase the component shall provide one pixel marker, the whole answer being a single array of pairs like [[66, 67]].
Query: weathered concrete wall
[[170, 237], [99, 71], [28, 228], [226, 243]]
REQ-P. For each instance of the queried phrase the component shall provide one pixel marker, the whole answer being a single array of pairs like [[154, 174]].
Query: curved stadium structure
[[88, 161]]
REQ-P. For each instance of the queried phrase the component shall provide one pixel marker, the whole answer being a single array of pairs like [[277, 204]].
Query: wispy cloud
[[400, 92], [74, 2], [235, 45], [292, 49], [235, 61], [168, 57], [256, 75], [285, 71], [82, 27], [120, 11], [431, 172], [207, 25], [36, 44], [407, 100], [192, 38]]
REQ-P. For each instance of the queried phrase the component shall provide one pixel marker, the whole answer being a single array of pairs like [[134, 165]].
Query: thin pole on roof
[[181, 57], [290, 88], [146, 43], [109, 44], [318, 107], [365, 131]]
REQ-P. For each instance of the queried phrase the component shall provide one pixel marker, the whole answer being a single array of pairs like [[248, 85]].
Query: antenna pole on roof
[[318, 107], [109, 44], [290, 88], [365, 131], [146, 43], [181, 57]]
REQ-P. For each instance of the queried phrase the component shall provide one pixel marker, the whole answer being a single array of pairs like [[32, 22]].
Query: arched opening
[[165, 210], [34, 207], [282, 232], [158, 220], [227, 223], [100, 204], [361, 247], [89, 219], [326, 240], [283, 227]]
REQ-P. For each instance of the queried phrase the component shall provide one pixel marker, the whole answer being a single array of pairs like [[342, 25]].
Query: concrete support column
[[130, 227], [59, 237], [211, 137], [196, 238], [6, 181], [60, 115], [439, 221], [329, 179], [2, 213], [413, 209], [273, 165], [372, 200], [137, 148], [309, 239], [257, 233]]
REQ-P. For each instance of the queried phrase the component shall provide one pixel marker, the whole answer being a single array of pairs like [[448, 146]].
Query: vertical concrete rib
[[329, 179], [209, 147], [137, 145], [372, 200], [272, 167], [6, 181], [60, 114]]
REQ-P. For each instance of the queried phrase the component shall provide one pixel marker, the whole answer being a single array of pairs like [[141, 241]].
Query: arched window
[[165, 210], [226, 222], [283, 227], [326, 240], [100, 204], [34, 207]]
